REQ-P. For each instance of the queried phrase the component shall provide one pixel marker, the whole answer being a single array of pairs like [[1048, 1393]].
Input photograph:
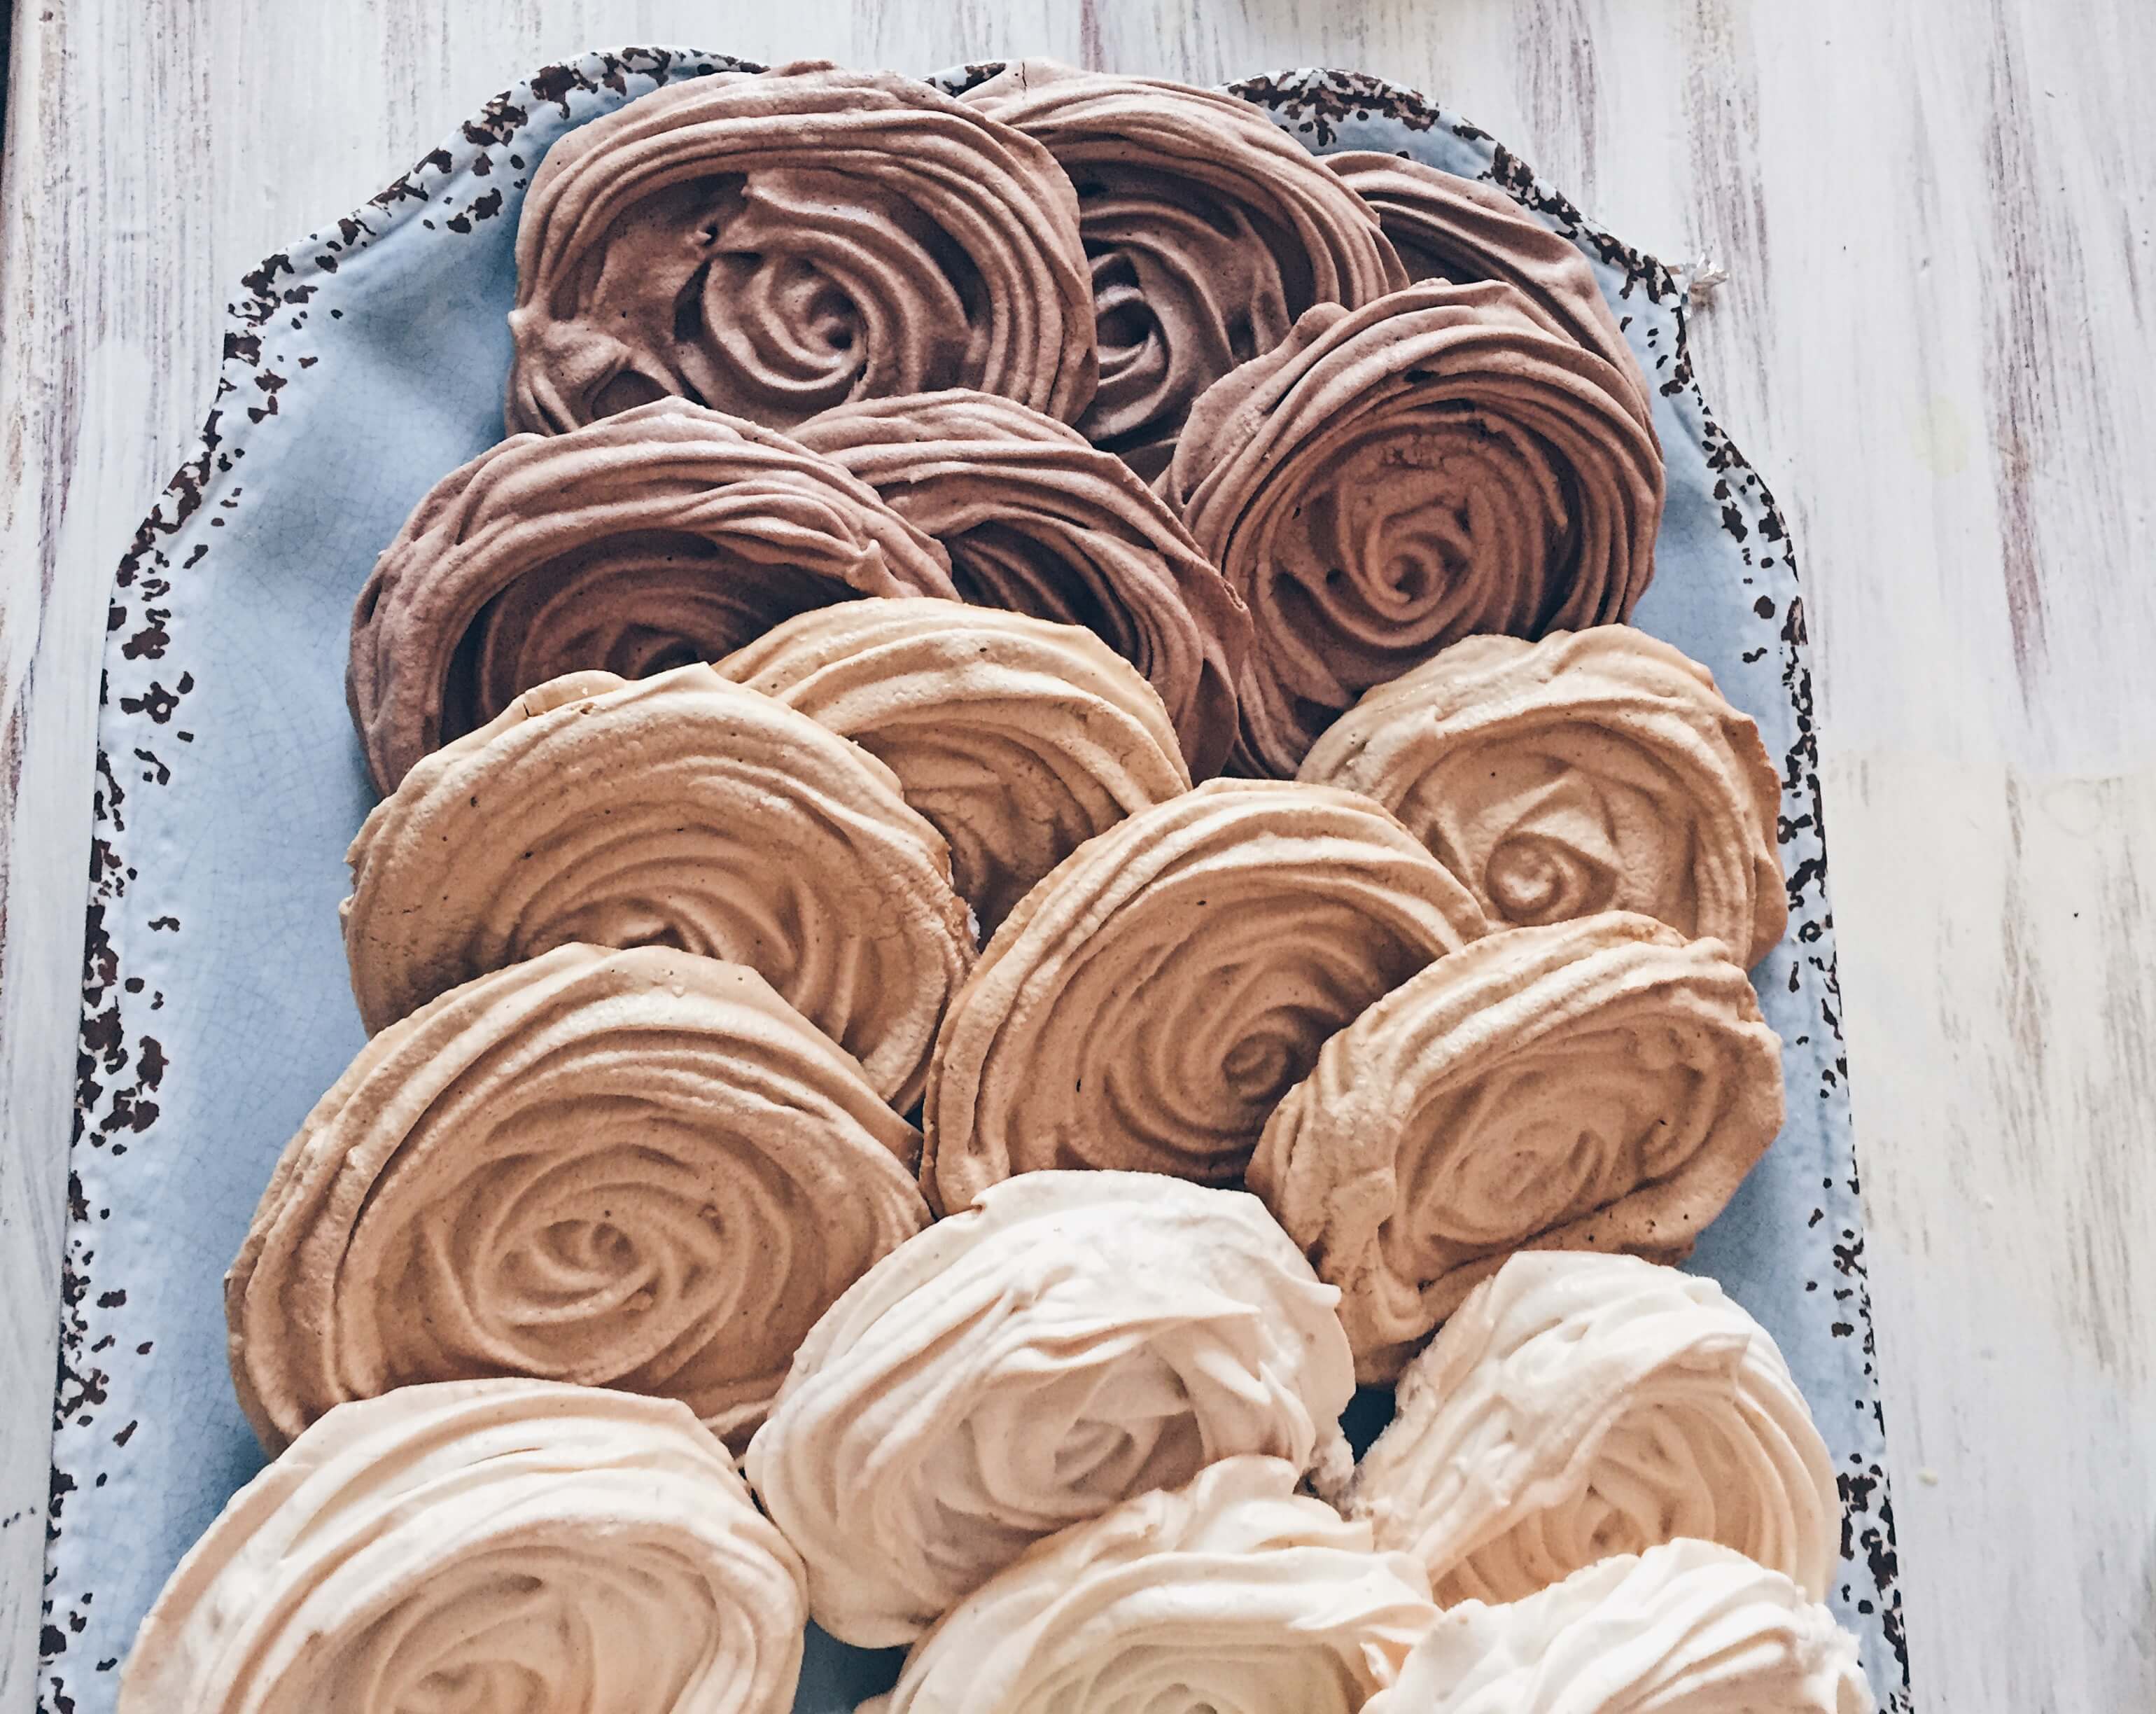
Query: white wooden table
[[1936, 343]]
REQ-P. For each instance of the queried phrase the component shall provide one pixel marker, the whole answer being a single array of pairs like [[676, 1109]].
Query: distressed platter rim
[[121, 1063]]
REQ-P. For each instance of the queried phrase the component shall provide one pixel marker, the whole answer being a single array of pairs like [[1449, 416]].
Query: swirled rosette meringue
[[1579, 1406], [774, 244], [1209, 230], [1036, 520], [1231, 1595], [1148, 1004], [492, 1546], [637, 1169], [1071, 1340], [1603, 1084], [1444, 461], [1686, 1628], [666, 535], [681, 810], [1463, 231], [1018, 739], [1596, 770]]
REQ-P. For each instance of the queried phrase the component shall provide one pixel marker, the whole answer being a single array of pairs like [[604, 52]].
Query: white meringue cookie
[[492, 1546], [1232, 1594], [1073, 1338], [1686, 1628], [1582, 1405]]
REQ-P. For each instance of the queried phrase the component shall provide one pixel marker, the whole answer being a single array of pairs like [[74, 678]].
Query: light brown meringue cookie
[[773, 243], [1147, 1004], [1036, 520], [1601, 770], [666, 535], [1446, 461], [1579, 1406], [681, 810], [634, 1169], [1460, 230], [1602, 1084], [485, 1545], [1018, 739], [1209, 228], [1071, 1340]]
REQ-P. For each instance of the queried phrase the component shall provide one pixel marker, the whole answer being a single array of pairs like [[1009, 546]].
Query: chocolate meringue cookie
[[1071, 1340], [1444, 461], [1233, 1592], [774, 244], [1686, 1628], [634, 1169], [666, 535], [681, 810], [1019, 739], [1036, 520], [1601, 770], [1579, 1406], [1461, 231], [1148, 1004], [1208, 229], [483, 1545], [1603, 1084]]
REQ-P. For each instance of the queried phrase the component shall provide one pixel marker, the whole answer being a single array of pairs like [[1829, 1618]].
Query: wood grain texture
[[1935, 342]]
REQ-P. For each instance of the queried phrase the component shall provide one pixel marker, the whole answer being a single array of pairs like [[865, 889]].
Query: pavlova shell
[[1019, 739], [680, 810], [1600, 1084], [483, 1546], [634, 1169], [1579, 1406], [1071, 1340], [1147, 1004]]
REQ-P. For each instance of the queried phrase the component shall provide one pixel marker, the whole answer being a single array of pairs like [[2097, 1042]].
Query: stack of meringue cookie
[[1070, 518]]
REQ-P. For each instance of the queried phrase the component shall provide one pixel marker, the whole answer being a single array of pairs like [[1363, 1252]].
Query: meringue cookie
[[1601, 770], [1579, 1406], [1019, 739], [1149, 1003], [681, 810], [1444, 461], [666, 535], [1209, 230], [1036, 520], [486, 1546], [1071, 1340], [773, 243], [1460, 230], [1686, 1628], [638, 1169], [1233, 1594], [1603, 1084]]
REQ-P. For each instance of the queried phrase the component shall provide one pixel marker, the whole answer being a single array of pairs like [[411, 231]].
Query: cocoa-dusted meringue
[[1148, 1003], [1602, 1084], [1072, 1339], [666, 535], [1460, 230], [485, 1545], [774, 244], [1596, 770], [1685, 1628], [1231, 1593], [1208, 229], [1018, 739], [1036, 520], [1442, 462], [1579, 1406], [637, 1169], [680, 810]]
